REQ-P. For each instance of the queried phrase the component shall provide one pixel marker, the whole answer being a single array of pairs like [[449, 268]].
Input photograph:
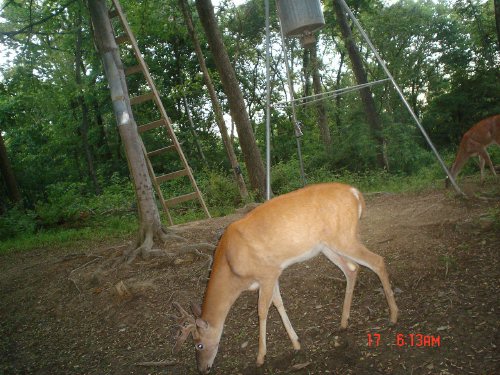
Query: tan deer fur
[[474, 142], [254, 251]]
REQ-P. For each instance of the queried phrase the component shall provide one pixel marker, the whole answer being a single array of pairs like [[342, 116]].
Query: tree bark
[[219, 117], [8, 174], [150, 227], [193, 131], [253, 159], [102, 142], [324, 129], [84, 127], [360, 74], [497, 21], [306, 66]]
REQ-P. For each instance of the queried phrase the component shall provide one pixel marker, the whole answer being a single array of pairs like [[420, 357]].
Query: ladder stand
[[164, 121]]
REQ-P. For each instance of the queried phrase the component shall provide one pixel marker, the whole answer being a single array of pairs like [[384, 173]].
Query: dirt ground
[[71, 311]]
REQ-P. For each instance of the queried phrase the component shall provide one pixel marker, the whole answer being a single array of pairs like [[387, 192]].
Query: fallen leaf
[[300, 366]]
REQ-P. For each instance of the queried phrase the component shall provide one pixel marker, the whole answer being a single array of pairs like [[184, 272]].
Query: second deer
[[474, 142]]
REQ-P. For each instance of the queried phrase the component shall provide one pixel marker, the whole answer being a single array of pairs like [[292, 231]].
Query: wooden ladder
[[164, 121]]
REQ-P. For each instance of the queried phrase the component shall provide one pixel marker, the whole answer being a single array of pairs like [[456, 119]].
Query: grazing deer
[[474, 142], [254, 251]]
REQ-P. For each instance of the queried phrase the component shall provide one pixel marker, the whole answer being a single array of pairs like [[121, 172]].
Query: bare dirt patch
[[72, 311]]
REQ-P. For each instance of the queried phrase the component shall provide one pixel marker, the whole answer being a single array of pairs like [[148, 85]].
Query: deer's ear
[[200, 323], [196, 309]]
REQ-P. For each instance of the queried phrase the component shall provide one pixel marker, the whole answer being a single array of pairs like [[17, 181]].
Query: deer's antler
[[187, 325]]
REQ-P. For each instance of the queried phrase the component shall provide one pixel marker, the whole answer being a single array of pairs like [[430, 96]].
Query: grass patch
[[57, 238]]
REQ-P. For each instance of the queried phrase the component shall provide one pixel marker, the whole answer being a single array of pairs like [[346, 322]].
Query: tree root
[[146, 250]]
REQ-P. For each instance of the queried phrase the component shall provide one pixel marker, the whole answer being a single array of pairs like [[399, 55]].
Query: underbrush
[[69, 215]]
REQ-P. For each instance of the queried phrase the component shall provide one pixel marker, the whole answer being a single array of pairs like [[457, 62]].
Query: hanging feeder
[[301, 18]]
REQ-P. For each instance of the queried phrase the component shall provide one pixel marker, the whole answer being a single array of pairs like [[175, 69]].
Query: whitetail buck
[[474, 142], [254, 251]]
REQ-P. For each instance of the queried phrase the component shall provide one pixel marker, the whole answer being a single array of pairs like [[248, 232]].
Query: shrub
[[65, 204], [16, 222], [219, 190]]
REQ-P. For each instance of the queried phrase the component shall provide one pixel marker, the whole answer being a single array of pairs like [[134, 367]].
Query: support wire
[[268, 107], [400, 92]]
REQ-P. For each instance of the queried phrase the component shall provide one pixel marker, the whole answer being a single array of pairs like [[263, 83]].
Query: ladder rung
[[142, 98], [182, 198], [122, 39], [113, 13], [151, 125], [171, 176], [133, 69], [160, 151]]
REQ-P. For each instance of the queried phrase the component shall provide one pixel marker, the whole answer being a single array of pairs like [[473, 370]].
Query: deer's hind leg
[[361, 255], [278, 302], [350, 270]]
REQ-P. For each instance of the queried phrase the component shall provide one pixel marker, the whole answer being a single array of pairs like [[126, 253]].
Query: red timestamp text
[[417, 340]]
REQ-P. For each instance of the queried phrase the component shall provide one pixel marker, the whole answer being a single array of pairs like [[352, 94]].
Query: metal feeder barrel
[[299, 17]]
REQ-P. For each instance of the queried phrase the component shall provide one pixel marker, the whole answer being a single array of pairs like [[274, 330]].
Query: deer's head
[[206, 338]]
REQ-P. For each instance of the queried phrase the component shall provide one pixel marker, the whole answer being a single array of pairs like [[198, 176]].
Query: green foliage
[[404, 148], [286, 178], [219, 190], [441, 55], [117, 197], [65, 204], [16, 222]]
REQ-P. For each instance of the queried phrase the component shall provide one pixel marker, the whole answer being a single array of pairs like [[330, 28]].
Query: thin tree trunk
[[149, 217], [193, 131], [324, 129], [103, 137], [306, 66], [84, 127], [338, 99], [8, 174], [360, 74], [219, 117], [497, 21], [253, 158]]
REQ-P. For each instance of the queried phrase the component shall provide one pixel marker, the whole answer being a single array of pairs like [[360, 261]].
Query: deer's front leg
[[265, 297]]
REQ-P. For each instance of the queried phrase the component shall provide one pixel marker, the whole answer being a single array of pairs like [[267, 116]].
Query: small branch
[[76, 286], [86, 264], [157, 364], [28, 28]]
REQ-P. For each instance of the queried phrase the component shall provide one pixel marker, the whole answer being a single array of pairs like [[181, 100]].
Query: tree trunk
[[306, 66], [84, 127], [324, 129], [8, 174], [360, 74], [253, 159], [338, 99], [219, 117], [102, 142], [497, 21], [150, 227], [193, 131]]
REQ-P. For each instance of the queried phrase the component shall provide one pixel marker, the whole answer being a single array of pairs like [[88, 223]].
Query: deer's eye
[[199, 346]]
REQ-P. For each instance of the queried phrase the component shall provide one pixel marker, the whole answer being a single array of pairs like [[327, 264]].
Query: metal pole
[[389, 75], [298, 132], [268, 107]]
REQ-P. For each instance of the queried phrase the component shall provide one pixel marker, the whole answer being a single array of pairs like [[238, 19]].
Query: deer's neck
[[223, 289]]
